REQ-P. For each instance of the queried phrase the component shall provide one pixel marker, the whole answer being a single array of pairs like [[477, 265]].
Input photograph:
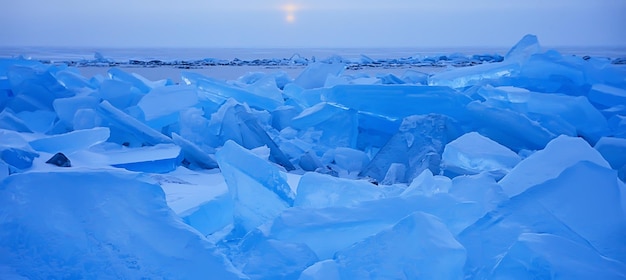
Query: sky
[[310, 24]]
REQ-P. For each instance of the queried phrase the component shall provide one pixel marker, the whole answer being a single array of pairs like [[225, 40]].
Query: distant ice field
[[246, 60]]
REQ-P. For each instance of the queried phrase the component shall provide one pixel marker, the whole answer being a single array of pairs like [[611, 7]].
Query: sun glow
[[290, 10]]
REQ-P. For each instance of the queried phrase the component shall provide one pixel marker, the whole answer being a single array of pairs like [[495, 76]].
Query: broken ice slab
[[66, 108], [375, 130], [128, 130], [592, 218], [259, 189], [509, 128], [344, 226], [315, 74], [556, 112], [319, 190], [262, 258], [237, 122], [346, 160], [473, 153], [267, 87], [9, 121], [614, 151], [33, 89], [57, 217], [549, 163], [117, 74], [322, 270], [400, 101], [160, 158], [558, 256], [480, 188], [201, 199], [523, 49], [17, 158], [218, 90], [427, 184], [607, 95], [71, 79], [417, 145], [282, 116], [119, 93], [194, 154], [161, 105], [38, 121], [418, 245], [72, 141], [475, 75], [337, 124]]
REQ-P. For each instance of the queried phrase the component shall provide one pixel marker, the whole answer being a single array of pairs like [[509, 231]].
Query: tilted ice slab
[[260, 192]]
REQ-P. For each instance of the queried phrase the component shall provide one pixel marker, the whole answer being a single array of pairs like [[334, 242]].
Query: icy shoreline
[[509, 169]]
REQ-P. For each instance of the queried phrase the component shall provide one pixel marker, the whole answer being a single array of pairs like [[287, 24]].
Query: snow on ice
[[513, 168]]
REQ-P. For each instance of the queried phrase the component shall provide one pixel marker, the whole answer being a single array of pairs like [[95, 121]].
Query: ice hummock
[[507, 169]]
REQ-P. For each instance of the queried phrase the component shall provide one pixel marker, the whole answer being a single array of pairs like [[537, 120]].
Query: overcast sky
[[319, 23]]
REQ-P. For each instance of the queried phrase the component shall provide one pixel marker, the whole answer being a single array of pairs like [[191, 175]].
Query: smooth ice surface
[[72, 141], [548, 163], [164, 101], [419, 245], [94, 224], [318, 190], [581, 204], [473, 153]]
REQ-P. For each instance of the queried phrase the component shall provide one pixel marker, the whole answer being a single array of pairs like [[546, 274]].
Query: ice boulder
[[319, 190], [96, 224], [558, 155], [581, 204], [417, 247], [259, 189], [473, 153]]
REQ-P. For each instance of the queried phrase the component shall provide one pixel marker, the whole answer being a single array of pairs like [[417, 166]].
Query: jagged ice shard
[[512, 168]]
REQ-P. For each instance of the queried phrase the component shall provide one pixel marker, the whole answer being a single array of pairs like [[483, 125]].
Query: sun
[[290, 9]]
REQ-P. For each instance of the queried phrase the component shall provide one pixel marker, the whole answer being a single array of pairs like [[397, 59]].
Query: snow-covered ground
[[508, 169]]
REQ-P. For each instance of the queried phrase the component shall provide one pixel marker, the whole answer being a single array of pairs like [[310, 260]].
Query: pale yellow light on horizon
[[290, 9]]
